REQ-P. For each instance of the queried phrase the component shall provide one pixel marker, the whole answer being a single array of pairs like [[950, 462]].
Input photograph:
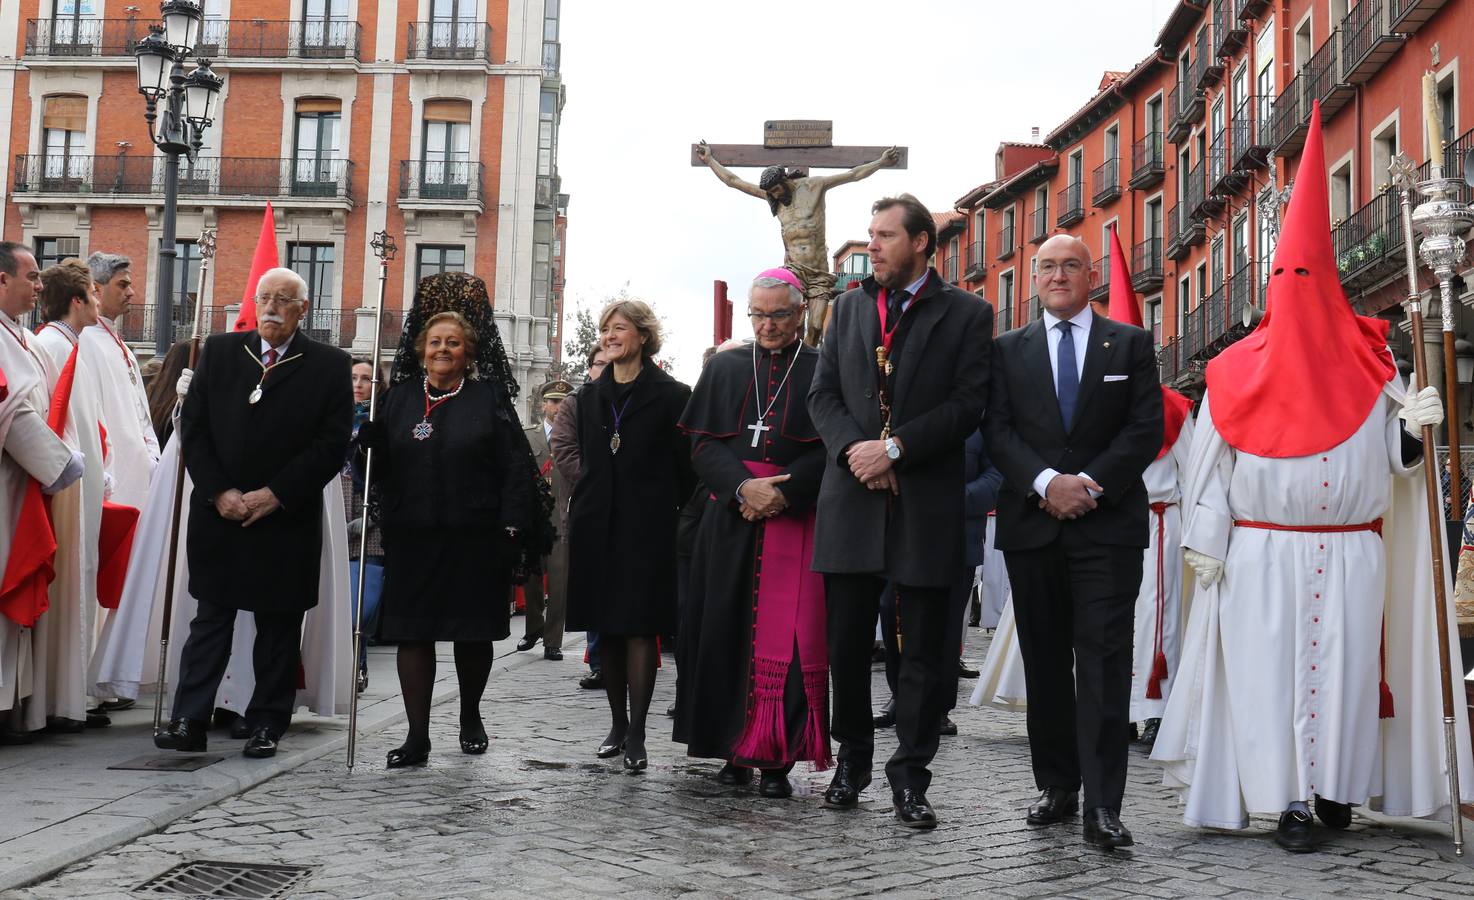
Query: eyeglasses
[[777, 318], [277, 300], [1071, 267]]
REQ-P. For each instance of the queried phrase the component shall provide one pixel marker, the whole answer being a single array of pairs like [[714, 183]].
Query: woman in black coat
[[455, 494], [636, 473]]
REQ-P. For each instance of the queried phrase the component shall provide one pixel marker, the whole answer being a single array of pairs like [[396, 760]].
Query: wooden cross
[[795, 143]]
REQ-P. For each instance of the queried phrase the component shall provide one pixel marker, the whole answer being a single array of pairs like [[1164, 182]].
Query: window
[[547, 134], [315, 157], [1264, 244], [1384, 147], [52, 250], [1202, 281], [1184, 164], [1153, 210], [325, 23], [856, 264], [1448, 111], [1215, 256], [433, 260], [314, 262], [186, 280], [1003, 321], [1304, 46], [1240, 242], [446, 151], [1184, 302], [452, 26], [551, 49], [1112, 143], [64, 138], [1154, 318], [1341, 197], [1154, 114]]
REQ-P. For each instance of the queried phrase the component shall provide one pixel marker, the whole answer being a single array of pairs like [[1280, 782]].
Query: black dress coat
[[622, 518], [938, 392], [292, 441]]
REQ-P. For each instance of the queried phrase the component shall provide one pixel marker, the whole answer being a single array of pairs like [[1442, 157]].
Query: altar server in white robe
[[1306, 524], [133, 445]]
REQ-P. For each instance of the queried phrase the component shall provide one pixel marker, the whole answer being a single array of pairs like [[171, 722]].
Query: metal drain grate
[[230, 881]]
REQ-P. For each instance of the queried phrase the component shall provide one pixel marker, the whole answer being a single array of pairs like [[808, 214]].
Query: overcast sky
[[950, 79]]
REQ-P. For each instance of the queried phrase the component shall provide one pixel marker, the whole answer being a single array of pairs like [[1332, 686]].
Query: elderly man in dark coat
[[265, 426], [902, 381]]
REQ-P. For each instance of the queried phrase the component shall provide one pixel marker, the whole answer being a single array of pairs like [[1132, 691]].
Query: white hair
[[762, 282], [281, 272]]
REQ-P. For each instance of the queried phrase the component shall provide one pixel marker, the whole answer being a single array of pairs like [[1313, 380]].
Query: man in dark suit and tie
[[901, 382], [265, 426], [1074, 418]]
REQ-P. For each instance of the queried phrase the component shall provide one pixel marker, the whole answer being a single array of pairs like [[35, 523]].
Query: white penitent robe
[[993, 589], [30, 451], [1163, 554], [1001, 678], [127, 654], [1276, 699], [130, 430]]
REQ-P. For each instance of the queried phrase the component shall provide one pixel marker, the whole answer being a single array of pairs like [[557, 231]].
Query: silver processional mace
[[207, 253], [384, 248]]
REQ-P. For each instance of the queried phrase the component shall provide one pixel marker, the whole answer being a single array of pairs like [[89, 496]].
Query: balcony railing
[[447, 39], [1250, 9], [326, 39], [1168, 366], [1252, 123], [1102, 268], [441, 180], [1217, 318], [1207, 65], [1245, 292], [1410, 15], [1003, 318], [1177, 124], [1105, 182], [1367, 40], [1229, 31], [1197, 202], [1176, 247], [1007, 242], [1291, 115], [1193, 331], [1324, 79], [1036, 309], [1039, 225], [1146, 265], [1147, 162], [977, 265], [949, 268], [1071, 203], [205, 176], [1223, 179], [1369, 244]]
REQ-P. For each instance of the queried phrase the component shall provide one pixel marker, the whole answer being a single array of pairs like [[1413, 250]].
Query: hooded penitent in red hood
[[1307, 378], [1123, 307]]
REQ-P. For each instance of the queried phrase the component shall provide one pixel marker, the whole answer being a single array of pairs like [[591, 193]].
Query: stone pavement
[[540, 816]]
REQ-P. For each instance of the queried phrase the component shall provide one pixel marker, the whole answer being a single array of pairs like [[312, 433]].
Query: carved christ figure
[[797, 199]]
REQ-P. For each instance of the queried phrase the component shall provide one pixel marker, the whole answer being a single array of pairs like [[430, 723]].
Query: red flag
[[264, 258]]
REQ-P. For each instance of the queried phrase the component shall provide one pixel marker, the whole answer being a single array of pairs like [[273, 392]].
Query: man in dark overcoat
[[548, 624], [265, 425], [902, 380]]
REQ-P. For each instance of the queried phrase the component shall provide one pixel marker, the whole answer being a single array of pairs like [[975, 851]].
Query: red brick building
[[1185, 154], [436, 120]]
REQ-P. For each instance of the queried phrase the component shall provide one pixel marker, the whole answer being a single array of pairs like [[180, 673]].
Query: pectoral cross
[[757, 429]]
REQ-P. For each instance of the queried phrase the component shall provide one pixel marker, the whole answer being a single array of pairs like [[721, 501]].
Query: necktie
[[1067, 377], [270, 357], [894, 304]]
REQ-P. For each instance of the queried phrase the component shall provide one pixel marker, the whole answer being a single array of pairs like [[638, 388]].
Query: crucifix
[[789, 150], [757, 428]]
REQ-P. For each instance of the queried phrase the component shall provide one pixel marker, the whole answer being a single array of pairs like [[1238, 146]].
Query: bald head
[[1063, 276]]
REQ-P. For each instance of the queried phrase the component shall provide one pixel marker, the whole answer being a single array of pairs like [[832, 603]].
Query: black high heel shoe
[[634, 755], [612, 745], [409, 754], [473, 738]]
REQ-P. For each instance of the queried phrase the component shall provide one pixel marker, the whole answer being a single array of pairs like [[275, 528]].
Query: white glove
[[108, 484], [1208, 569], [181, 387], [1422, 408]]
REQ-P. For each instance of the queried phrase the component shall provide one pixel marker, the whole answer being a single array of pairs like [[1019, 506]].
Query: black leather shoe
[[1333, 814], [473, 738], [844, 790], [774, 785], [1054, 804], [240, 729], [949, 727], [1103, 829], [410, 754], [181, 734], [594, 681], [98, 719], [913, 811], [612, 746], [362, 679], [552, 654], [965, 670], [1149, 733], [732, 774], [63, 725], [1294, 832], [886, 718], [261, 744], [528, 641], [634, 754], [117, 705]]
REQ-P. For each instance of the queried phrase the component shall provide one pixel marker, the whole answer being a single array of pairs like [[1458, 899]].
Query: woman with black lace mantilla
[[457, 497]]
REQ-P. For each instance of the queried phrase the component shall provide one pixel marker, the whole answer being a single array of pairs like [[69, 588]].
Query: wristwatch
[[892, 449]]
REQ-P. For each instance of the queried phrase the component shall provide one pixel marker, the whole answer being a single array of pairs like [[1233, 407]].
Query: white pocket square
[[1117, 377]]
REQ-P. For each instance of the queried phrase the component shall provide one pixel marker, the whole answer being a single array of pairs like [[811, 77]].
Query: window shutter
[[447, 111], [65, 113]]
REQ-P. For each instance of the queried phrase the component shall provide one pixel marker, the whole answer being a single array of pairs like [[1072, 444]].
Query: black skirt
[[443, 585]]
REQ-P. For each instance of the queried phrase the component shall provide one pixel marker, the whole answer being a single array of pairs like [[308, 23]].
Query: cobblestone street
[[540, 816]]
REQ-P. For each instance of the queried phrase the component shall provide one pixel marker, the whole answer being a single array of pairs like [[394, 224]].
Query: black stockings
[[416, 661], [629, 678]]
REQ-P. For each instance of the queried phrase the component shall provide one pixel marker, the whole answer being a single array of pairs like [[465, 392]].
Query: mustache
[[272, 319]]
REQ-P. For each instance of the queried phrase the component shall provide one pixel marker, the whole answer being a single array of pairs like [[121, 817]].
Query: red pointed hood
[[1307, 378], [262, 260]]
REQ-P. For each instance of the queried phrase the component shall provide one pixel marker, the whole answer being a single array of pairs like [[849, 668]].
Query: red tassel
[[1159, 675], [1384, 702]]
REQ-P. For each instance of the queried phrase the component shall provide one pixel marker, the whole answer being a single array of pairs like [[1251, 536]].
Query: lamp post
[[188, 109]]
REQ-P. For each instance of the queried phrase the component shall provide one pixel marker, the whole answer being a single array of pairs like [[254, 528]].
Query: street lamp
[[188, 109]]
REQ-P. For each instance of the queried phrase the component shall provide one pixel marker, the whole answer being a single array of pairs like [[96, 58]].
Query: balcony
[[1223, 179], [220, 39], [1035, 309], [1369, 245], [1207, 66], [1006, 242], [1229, 31], [1003, 319], [1197, 202], [1217, 321], [1192, 331], [977, 266], [439, 182], [1410, 15], [1252, 123], [1245, 293], [1147, 163], [1039, 225], [1250, 9], [1102, 289], [1146, 266], [949, 268], [449, 40], [1367, 40], [1105, 182], [1176, 247], [1291, 118], [1324, 80], [1184, 109], [218, 177], [1071, 203], [546, 196], [1168, 363]]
